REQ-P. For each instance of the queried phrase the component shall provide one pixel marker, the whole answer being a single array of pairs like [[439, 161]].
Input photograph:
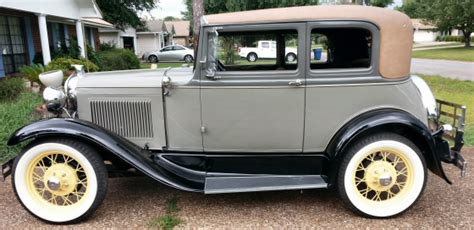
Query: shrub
[[32, 72], [64, 64], [451, 38], [118, 59], [106, 46], [11, 87]]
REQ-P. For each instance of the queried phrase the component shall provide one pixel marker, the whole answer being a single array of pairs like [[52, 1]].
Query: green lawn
[[455, 54], [147, 65], [461, 92], [15, 114]]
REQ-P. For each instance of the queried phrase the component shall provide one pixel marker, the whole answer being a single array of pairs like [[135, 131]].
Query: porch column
[[43, 29], [80, 38]]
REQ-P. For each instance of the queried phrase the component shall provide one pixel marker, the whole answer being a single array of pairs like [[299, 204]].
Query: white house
[[120, 38], [424, 32], [154, 38], [39, 27]]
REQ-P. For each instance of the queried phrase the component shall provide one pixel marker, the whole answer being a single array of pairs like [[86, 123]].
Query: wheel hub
[[60, 179], [380, 175]]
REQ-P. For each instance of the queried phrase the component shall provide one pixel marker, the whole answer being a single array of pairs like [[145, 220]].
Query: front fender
[[115, 144], [388, 120]]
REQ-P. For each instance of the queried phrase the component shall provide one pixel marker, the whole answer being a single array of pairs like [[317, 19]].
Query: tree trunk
[[198, 12], [467, 39]]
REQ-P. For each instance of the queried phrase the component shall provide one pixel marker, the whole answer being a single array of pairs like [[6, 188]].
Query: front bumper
[[450, 136]]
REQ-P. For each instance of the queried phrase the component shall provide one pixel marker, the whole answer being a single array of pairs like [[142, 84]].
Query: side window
[[166, 49], [178, 48], [257, 50], [340, 48]]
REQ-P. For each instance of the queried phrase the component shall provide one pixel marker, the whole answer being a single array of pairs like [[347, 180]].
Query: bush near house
[[32, 72], [117, 59], [10, 88], [64, 64], [451, 38]]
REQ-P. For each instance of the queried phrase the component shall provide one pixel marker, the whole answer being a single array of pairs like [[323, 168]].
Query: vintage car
[[357, 122]]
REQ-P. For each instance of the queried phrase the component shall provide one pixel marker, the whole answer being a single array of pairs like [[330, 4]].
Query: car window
[[166, 49], [336, 48], [239, 51], [178, 48]]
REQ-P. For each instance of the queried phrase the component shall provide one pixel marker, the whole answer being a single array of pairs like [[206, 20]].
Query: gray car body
[[254, 112]]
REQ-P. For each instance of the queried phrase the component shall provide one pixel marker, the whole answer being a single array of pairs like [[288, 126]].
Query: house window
[[12, 43], [257, 50], [340, 48]]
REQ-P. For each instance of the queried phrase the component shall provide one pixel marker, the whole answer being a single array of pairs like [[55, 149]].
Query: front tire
[[382, 176], [59, 181], [153, 59]]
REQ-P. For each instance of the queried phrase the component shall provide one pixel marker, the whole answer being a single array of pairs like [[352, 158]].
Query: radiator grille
[[127, 117]]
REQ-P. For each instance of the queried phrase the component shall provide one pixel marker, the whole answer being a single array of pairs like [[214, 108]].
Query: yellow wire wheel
[[382, 176], [60, 181]]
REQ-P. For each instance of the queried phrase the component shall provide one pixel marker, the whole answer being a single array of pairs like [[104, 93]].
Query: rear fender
[[385, 120]]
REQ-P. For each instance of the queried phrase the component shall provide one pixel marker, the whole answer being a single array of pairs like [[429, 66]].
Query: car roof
[[396, 29]]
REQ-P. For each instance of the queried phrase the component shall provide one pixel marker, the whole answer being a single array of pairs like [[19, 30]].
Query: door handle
[[297, 82]]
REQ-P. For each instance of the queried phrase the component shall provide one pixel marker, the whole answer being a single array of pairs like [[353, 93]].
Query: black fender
[[105, 139], [386, 120]]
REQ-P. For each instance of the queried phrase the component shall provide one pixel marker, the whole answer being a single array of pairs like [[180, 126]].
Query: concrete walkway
[[451, 69]]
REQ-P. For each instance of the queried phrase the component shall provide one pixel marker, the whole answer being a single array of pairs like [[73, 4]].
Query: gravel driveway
[[132, 202]]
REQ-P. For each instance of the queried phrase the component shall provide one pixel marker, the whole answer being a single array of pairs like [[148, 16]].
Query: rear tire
[[382, 176], [252, 57], [291, 57], [188, 58], [60, 181]]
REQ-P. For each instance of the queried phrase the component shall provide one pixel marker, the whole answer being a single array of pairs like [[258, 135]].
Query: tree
[[123, 13], [171, 18], [219, 6], [445, 14], [378, 3]]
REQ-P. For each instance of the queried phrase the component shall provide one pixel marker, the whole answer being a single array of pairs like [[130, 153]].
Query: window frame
[[369, 73], [276, 75]]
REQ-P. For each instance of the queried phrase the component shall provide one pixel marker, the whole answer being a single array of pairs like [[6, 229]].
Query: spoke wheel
[[60, 181], [382, 176]]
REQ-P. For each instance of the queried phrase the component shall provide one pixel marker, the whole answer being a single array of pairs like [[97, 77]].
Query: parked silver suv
[[355, 120]]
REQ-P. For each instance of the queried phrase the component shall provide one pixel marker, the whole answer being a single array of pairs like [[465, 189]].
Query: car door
[[252, 107], [178, 53], [165, 54]]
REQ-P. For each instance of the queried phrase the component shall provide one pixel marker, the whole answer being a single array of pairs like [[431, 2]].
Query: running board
[[257, 183]]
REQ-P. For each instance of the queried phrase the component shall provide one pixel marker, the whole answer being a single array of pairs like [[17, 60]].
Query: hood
[[122, 79], [144, 78]]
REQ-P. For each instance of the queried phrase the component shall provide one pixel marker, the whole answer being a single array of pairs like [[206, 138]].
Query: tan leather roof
[[396, 29]]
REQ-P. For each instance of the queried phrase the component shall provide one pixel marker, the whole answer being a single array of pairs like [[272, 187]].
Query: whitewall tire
[[382, 175], [59, 180]]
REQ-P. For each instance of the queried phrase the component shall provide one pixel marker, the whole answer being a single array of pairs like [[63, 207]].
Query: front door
[[252, 106]]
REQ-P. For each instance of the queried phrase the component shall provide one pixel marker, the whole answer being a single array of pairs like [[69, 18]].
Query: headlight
[[429, 101], [55, 99], [53, 79]]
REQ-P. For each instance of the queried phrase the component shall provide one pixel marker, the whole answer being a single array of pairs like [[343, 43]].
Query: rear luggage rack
[[454, 115]]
